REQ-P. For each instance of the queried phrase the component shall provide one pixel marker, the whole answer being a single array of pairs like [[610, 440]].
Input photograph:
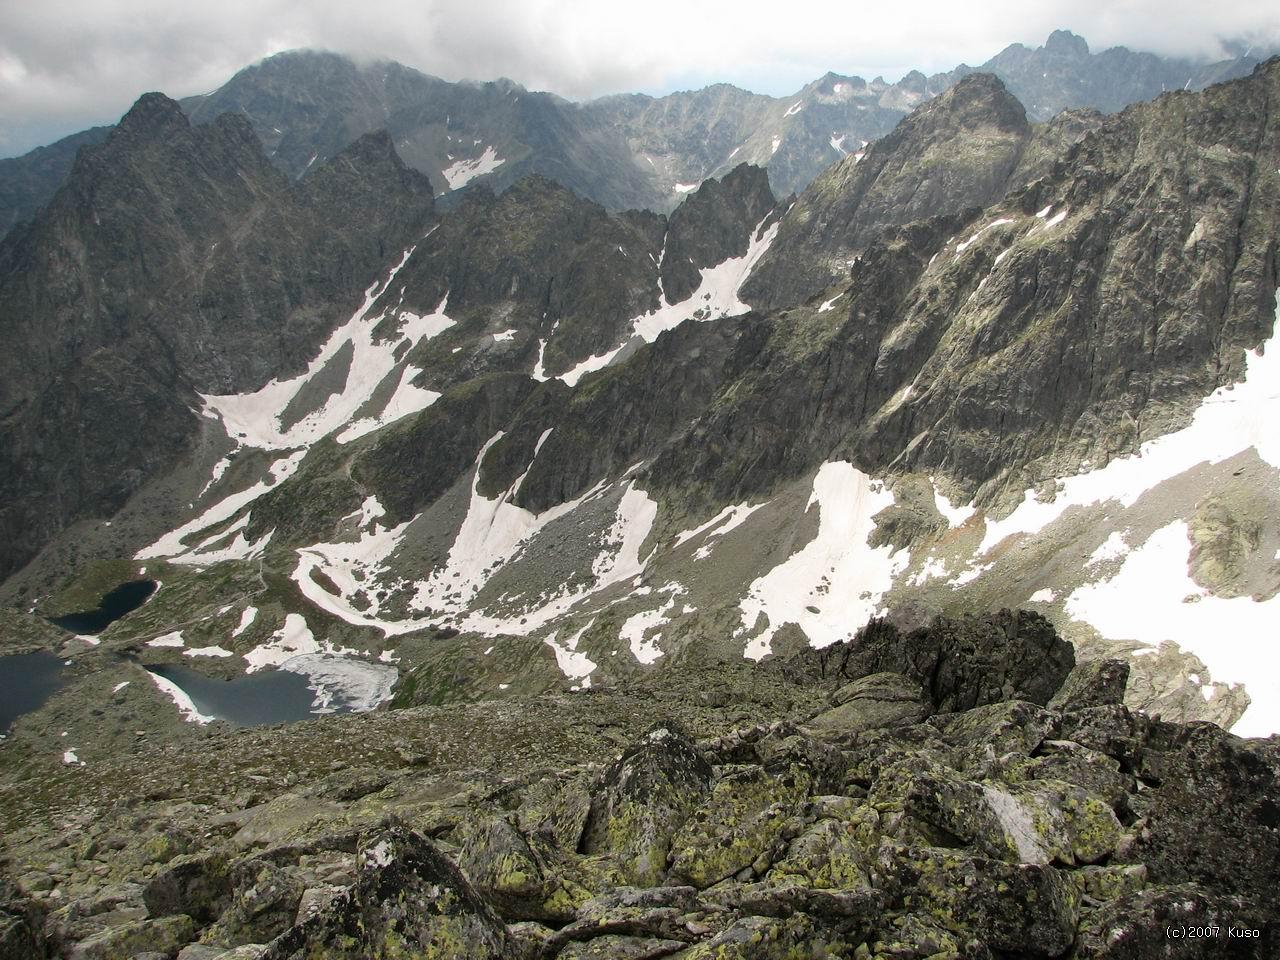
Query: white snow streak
[[186, 706], [255, 418], [829, 304], [462, 172], [246, 619], [716, 297], [833, 585]]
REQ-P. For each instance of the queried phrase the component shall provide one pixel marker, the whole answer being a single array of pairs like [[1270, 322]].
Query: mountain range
[[625, 151], [841, 555]]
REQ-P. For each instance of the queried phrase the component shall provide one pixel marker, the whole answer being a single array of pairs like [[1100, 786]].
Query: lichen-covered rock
[[879, 700], [408, 900], [832, 854], [1110, 729], [265, 904], [1213, 813], [1065, 760], [522, 881], [740, 826], [199, 886], [769, 938], [1027, 909], [643, 799], [1092, 683], [911, 936], [993, 729], [164, 935], [1184, 921]]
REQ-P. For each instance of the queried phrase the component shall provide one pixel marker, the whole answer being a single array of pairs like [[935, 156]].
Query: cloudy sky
[[68, 64]]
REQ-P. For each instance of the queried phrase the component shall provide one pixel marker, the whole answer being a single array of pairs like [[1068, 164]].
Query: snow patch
[[794, 108], [1153, 599], [715, 298], [955, 516], [246, 620], [186, 706], [634, 629], [167, 640], [293, 639], [829, 304], [462, 172], [962, 247], [834, 584], [572, 663], [1112, 548], [173, 545]]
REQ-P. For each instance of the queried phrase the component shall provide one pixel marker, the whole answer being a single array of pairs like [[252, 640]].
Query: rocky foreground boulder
[[962, 791]]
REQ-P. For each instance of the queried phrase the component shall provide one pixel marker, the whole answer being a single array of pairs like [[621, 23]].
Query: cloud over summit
[[66, 64]]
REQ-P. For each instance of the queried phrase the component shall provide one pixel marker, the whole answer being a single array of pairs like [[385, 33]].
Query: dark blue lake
[[27, 680], [251, 700], [122, 600]]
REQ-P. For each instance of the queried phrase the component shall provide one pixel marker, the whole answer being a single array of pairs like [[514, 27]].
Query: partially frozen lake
[[303, 687]]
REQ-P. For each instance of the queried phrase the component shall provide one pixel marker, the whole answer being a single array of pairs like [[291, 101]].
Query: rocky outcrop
[[715, 223], [956, 664], [1078, 830]]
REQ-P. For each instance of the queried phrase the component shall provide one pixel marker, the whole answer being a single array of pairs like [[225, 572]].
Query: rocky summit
[[965, 789], [441, 520]]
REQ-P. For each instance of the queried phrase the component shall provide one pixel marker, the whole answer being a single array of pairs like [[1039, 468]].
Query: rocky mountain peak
[[1065, 43], [954, 153], [979, 98], [152, 116]]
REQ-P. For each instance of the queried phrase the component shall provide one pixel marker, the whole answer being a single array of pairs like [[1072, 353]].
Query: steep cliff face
[[1073, 321], [957, 152], [176, 259]]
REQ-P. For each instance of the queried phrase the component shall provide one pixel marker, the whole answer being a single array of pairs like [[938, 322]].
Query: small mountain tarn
[[271, 696], [27, 680], [115, 604]]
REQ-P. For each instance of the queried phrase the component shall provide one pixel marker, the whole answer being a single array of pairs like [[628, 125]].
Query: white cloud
[[67, 63]]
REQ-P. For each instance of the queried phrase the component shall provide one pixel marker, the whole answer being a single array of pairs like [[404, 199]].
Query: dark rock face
[[28, 182], [1093, 683], [958, 664], [1071, 346], [954, 153], [175, 260], [712, 225], [1220, 789], [307, 106], [20, 924]]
